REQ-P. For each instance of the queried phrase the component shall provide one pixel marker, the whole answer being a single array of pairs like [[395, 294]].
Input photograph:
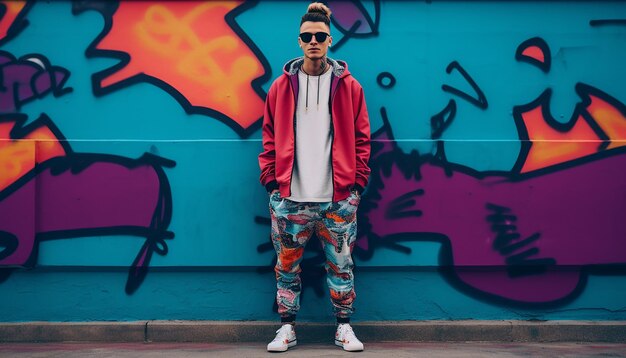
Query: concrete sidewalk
[[256, 331], [372, 349]]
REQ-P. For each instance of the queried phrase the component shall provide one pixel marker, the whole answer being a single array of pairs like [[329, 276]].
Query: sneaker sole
[[340, 344], [289, 345]]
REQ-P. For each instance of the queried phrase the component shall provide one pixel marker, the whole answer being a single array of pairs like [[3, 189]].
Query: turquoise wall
[[444, 89]]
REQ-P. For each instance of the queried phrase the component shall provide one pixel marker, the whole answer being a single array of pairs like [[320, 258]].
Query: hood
[[340, 68]]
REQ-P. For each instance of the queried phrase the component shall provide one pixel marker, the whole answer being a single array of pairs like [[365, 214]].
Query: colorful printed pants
[[293, 224]]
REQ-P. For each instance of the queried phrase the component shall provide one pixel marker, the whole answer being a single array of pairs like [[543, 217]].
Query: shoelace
[[346, 329], [284, 332]]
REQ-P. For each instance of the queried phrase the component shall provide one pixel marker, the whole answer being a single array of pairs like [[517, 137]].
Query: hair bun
[[318, 7]]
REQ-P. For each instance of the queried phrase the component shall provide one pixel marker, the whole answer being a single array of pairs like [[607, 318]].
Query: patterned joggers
[[293, 224]]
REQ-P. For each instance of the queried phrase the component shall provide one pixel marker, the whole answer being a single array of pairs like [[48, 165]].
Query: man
[[316, 146]]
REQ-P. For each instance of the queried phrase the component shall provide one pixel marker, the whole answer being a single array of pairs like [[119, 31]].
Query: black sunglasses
[[319, 36]]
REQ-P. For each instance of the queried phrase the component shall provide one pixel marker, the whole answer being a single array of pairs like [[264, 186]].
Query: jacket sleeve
[[362, 138], [267, 158]]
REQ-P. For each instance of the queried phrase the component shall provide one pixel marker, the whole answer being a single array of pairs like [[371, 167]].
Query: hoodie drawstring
[[306, 108]]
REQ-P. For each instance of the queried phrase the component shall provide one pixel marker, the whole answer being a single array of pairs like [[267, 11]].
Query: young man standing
[[314, 165]]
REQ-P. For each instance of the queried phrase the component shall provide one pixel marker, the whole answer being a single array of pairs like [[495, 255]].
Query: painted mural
[[208, 69], [77, 194], [505, 153]]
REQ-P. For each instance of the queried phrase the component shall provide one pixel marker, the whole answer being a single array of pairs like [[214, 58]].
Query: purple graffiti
[[28, 78], [535, 233], [86, 195], [50, 192], [352, 19]]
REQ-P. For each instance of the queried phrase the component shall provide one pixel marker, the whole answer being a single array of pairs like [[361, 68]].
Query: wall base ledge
[[262, 331]]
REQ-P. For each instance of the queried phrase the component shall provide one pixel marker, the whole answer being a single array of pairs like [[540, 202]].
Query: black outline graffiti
[[124, 58], [480, 101], [155, 235], [521, 257], [442, 120], [383, 143], [543, 46], [106, 8], [507, 241], [351, 32], [381, 76], [58, 89], [19, 24], [607, 22], [585, 92], [409, 164]]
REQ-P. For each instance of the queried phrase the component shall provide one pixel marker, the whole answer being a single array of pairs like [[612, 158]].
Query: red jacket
[[350, 124]]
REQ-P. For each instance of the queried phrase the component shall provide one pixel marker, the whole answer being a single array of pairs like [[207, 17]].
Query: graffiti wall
[[129, 135]]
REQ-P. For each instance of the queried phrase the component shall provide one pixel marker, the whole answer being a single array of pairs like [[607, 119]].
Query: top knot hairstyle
[[317, 12]]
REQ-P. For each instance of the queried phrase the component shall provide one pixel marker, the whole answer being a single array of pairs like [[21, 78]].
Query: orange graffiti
[[609, 119], [550, 146], [19, 156], [189, 46], [13, 8], [604, 124]]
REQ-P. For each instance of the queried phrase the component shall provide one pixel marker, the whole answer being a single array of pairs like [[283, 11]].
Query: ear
[[330, 41]]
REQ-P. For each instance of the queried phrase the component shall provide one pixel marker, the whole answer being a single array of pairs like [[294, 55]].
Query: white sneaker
[[345, 338], [285, 339]]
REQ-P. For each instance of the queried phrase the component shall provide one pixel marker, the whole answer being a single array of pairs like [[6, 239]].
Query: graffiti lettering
[[507, 241]]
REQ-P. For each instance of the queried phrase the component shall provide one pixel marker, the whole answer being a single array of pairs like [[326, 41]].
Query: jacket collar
[[340, 68]]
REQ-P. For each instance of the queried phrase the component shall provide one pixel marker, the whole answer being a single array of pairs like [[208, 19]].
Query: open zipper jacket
[[350, 131]]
